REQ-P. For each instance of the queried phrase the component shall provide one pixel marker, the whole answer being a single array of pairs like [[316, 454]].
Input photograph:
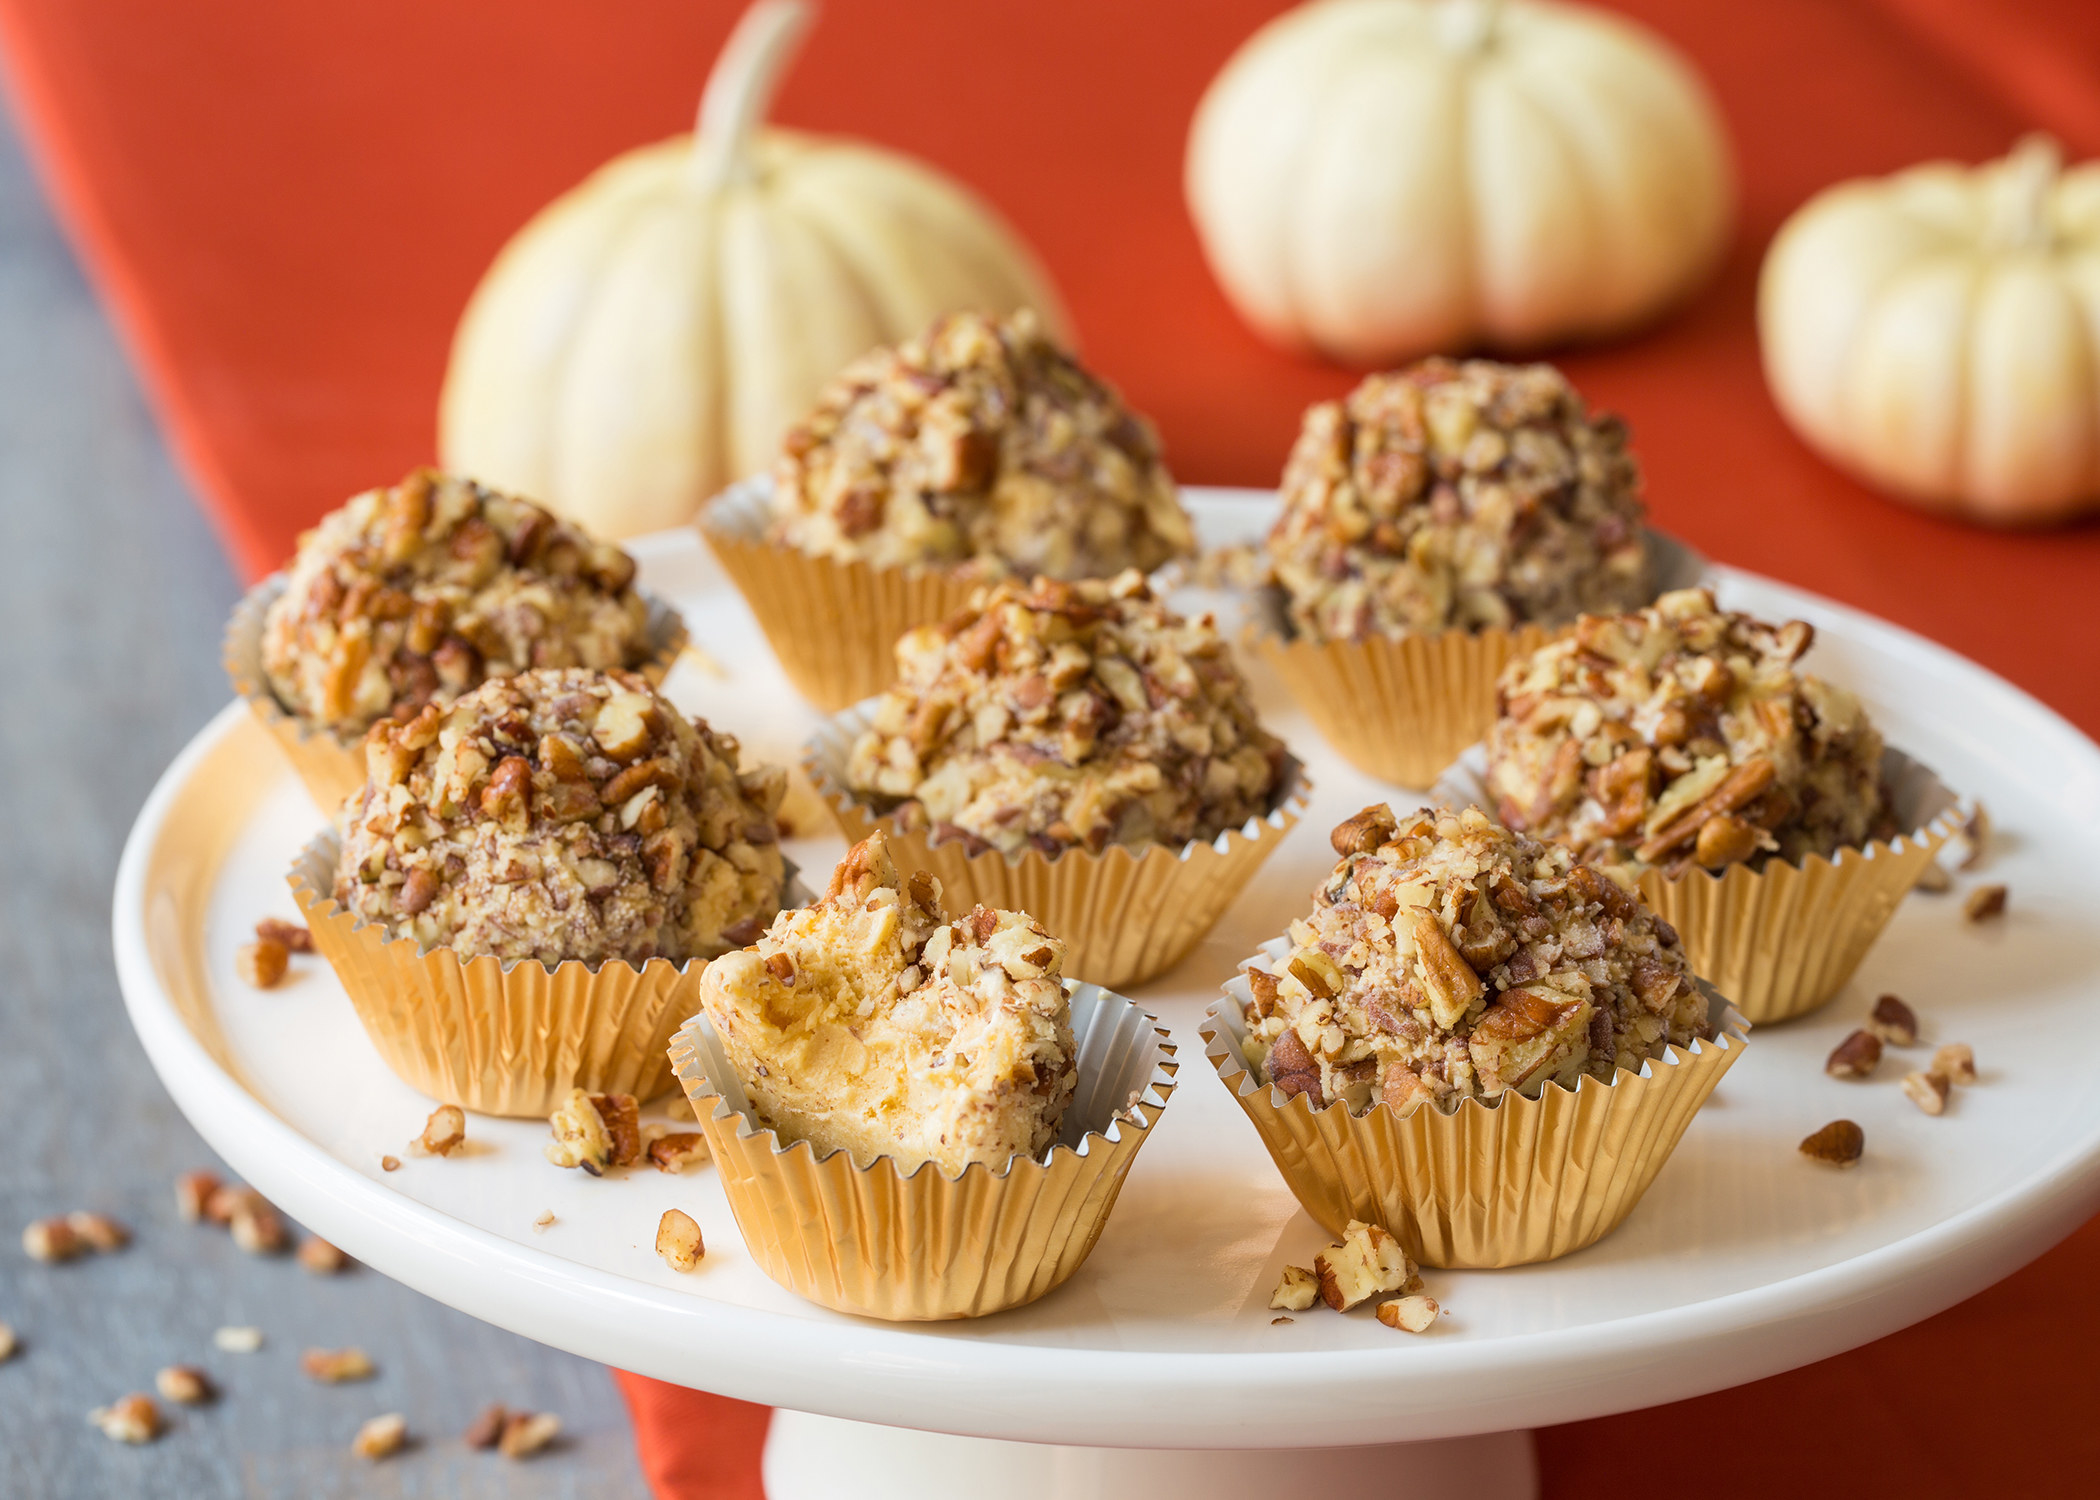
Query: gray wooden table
[[112, 594]]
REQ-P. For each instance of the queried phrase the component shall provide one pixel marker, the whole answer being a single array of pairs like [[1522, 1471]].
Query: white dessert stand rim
[[1426, 1388]]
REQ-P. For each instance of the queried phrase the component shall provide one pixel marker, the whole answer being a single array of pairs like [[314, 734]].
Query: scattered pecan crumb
[[1840, 1144], [185, 1384], [1976, 833], [1366, 1262], [334, 1366], [321, 1258], [238, 1339], [444, 1132], [1274, 1321], [8, 1342], [1857, 1056], [678, 1240], [226, 1200], [131, 1419], [98, 1231], [192, 1191], [381, 1437], [1410, 1314], [389, 1163], [675, 1151], [487, 1429], [526, 1433], [1985, 902], [1926, 1090], [52, 1240], [544, 1222], [258, 1230], [1297, 1291], [1894, 1022], [262, 963], [595, 1131], [1955, 1062], [293, 935], [1934, 879]]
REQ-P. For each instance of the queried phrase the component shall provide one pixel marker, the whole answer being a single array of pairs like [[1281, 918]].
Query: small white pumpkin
[[1938, 333], [1380, 179], [648, 337]]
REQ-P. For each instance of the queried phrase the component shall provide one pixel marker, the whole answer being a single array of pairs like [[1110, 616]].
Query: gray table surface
[[112, 594]]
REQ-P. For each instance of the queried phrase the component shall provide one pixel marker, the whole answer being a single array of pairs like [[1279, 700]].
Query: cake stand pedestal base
[[824, 1458]]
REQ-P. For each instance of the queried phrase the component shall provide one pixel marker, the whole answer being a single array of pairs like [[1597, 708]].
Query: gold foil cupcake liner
[[1126, 915], [1784, 939], [1401, 709], [1502, 1183], [331, 765], [834, 625], [499, 1038], [872, 1239]]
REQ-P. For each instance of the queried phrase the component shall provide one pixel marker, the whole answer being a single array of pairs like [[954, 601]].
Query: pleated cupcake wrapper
[[1125, 915], [1402, 709], [834, 625], [331, 765], [500, 1038], [871, 1238], [1502, 1183], [1782, 940]]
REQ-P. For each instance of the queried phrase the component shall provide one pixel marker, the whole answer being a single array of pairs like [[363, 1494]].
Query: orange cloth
[[286, 207]]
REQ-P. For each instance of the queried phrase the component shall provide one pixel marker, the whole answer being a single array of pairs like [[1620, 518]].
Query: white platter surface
[[1745, 1258]]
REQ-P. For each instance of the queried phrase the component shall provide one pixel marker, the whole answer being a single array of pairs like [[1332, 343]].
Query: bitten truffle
[[1053, 715], [872, 1022], [563, 815], [978, 442], [1456, 496], [1682, 734], [1447, 958], [419, 593]]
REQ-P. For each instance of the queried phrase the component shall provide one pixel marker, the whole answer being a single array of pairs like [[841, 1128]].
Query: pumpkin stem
[[2027, 183], [740, 88], [1469, 26]]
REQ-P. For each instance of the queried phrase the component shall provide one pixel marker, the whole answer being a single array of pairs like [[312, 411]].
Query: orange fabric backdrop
[[286, 207]]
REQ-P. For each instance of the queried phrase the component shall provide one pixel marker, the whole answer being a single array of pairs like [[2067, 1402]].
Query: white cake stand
[[1159, 1369]]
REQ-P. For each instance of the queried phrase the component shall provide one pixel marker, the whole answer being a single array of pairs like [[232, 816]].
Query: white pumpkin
[[1938, 333], [1379, 179], [646, 339]]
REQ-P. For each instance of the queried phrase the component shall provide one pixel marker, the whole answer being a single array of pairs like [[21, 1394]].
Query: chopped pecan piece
[[98, 1231], [1985, 902], [526, 1433], [262, 964], [1363, 833], [1857, 1056], [1298, 1290], [487, 1428], [381, 1436], [1927, 1090], [193, 1190], [320, 1257], [184, 1384], [1894, 1022], [1451, 984], [1292, 1069], [1410, 1314], [336, 1366], [678, 1240], [1838, 1144], [1955, 1062], [129, 1419], [1367, 1261], [444, 1132], [292, 935], [677, 1151]]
